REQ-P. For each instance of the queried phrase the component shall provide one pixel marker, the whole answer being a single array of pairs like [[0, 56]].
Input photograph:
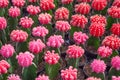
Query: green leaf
[[3, 36], [29, 73], [94, 41], [35, 19], [56, 4], [110, 21], [2, 11], [73, 62], [52, 70], [70, 8], [113, 72], [13, 63], [49, 27], [12, 23], [4, 76], [114, 53], [99, 75], [73, 29], [22, 47]]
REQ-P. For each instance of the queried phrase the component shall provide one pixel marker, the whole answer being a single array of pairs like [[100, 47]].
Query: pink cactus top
[[99, 4], [82, 8], [112, 41], [66, 1], [51, 57], [47, 4], [25, 59], [114, 11], [13, 77], [75, 51], [78, 21], [115, 29], [69, 74], [55, 41], [26, 22], [62, 26], [97, 29], [39, 31], [104, 51], [45, 18], [3, 23], [42, 77], [7, 50], [98, 66], [98, 19], [33, 10], [4, 3], [4, 66], [14, 11], [115, 78], [18, 3], [36, 46], [116, 62], [62, 14], [80, 38], [18, 35]]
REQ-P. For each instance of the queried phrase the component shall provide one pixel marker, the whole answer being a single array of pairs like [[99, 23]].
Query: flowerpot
[[80, 75], [82, 61], [87, 70]]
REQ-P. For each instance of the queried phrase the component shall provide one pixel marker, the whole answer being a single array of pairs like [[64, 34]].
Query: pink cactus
[[112, 41], [45, 18], [82, 8], [51, 57], [25, 59], [42, 77], [18, 3], [69, 74], [116, 62], [62, 14], [115, 78], [7, 50], [98, 66], [97, 29], [75, 51], [13, 77], [99, 4], [66, 1], [115, 29], [79, 21], [98, 19], [26, 22], [62, 26], [39, 31], [32, 1], [116, 3], [4, 66], [47, 4], [14, 12], [80, 38], [36, 46], [104, 51], [83, 0], [114, 12], [18, 35], [55, 41], [4, 3], [33, 10], [93, 78], [3, 23]]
